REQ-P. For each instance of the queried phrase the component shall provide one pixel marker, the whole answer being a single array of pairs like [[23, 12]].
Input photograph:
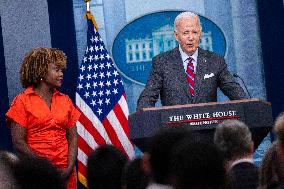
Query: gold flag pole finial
[[89, 14], [87, 5]]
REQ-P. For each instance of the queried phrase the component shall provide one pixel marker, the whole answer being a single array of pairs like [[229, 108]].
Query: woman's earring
[[40, 79]]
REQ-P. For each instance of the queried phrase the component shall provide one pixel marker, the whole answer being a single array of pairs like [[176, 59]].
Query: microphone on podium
[[236, 75]]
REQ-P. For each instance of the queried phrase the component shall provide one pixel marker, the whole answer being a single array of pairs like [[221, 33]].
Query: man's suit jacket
[[243, 175], [168, 79]]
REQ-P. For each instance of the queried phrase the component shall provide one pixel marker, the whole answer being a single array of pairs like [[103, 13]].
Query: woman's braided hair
[[35, 64]]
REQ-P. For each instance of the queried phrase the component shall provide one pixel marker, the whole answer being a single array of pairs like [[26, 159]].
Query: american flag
[[100, 97]]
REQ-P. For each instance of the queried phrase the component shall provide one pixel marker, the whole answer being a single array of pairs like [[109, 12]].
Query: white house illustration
[[162, 39]]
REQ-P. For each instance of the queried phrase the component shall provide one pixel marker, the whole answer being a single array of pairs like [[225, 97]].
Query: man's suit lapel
[[180, 73]]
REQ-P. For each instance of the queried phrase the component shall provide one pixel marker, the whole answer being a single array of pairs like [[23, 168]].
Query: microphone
[[236, 75]]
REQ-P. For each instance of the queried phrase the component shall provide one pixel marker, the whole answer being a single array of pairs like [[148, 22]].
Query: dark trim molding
[[63, 36], [271, 31], [5, 134]]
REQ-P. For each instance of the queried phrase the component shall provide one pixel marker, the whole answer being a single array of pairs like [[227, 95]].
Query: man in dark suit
[[171, 80], [234, 139]]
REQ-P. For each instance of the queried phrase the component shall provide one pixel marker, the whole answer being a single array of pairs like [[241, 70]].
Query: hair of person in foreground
[[197, 164], [234, 139], [134, 175], [272, 168], [37, 173], [104, 167], [163, 142], [7, 177]]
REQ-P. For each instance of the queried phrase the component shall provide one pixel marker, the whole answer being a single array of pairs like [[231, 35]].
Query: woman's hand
[[65, 173]]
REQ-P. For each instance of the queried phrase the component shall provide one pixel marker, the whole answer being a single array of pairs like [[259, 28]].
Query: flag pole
[[100, 125]]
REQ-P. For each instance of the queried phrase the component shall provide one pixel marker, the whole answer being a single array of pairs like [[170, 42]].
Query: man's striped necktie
[[190, 75]]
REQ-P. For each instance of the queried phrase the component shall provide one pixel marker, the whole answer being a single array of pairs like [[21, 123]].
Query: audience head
[[272, 170], [134, 176], [162, 143], [7, 178], [279, 132], [36, 64], [197, 164], [279, 127], [37, 173], [234, 139], [104, 167]]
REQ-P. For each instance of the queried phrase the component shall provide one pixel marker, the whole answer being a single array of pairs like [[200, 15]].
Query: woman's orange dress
[[46, 127]]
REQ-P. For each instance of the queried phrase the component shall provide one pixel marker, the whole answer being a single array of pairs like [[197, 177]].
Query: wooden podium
[[203, 118]]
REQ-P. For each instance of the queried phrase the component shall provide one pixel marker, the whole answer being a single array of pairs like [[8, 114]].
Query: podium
[[203, 118]]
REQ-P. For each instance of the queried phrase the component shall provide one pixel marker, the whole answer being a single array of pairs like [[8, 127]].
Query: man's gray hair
[[185, 15], [233, 138]]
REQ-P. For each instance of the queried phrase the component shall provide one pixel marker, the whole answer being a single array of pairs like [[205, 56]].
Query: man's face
[[188, 34]]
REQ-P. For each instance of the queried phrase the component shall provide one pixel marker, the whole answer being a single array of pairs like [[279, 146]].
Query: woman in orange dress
[[41, 118]]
